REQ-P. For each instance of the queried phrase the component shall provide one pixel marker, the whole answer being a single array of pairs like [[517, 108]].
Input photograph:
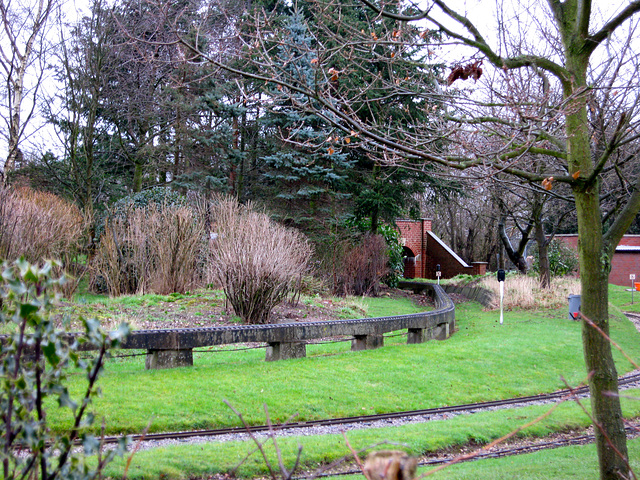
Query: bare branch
[[593, 41]]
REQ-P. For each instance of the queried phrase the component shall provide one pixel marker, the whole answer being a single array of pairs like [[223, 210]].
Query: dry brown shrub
[[256, 261], [524, 292], [361, 266], [40, 226], [152, 249]]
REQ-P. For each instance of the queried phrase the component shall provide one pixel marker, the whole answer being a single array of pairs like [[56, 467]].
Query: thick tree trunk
[[611, 441], [603, 377]]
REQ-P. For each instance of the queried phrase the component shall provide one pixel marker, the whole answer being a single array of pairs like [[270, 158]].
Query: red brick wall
[[633, 240], [449, 266], [479, 268], [412, 233], [622, 264], [429, 253], [570, 240]]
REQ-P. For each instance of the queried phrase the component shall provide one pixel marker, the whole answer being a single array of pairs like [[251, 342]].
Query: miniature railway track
[[492, 453], [365, 419]]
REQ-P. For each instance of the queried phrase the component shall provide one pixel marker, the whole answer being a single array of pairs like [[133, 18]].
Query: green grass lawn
[[529, 354], [621, 298], [568, 463]]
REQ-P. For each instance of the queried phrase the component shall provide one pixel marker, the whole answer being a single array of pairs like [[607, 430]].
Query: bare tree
[[582, 169], [23, 50]]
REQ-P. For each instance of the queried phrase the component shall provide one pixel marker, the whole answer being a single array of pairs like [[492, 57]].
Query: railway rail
[[632, 430], [627, 380]]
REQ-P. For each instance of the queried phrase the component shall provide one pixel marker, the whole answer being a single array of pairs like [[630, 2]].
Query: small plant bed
[[207, 308]]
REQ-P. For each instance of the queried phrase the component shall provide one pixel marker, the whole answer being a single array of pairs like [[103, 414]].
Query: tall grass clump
[[523, 291], [39, 226], [256, 261], [156, 248]]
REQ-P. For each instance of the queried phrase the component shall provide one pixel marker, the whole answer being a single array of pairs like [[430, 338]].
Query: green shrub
[[563, 260], [33, 369]]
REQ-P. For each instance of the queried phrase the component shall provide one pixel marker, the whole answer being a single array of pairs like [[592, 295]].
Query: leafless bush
[[359, 267], [257, 261], [38, 226], [155, 248]]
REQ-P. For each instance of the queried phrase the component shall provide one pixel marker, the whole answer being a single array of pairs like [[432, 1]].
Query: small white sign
[[438, 274], [632, 276]]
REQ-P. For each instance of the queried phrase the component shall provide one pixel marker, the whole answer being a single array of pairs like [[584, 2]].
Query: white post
[[501, 277], [501, 301]]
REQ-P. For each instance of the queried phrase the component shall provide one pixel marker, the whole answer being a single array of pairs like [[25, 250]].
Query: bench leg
[[417, 335]]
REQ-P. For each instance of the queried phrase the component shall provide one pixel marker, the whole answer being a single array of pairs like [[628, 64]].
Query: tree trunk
[[541, 240], [543, 256], [137, 177], [514, 255], [603, 377], [611, 441]]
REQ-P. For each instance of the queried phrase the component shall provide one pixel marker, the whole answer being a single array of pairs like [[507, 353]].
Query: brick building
[[423, 250], [625, 261]]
